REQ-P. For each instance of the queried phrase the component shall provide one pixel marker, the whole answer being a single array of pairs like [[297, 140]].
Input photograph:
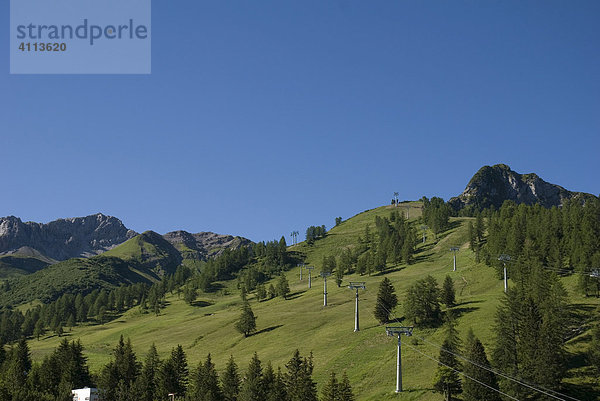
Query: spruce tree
[[147, 381], [386, 301], [272, 292], [230, 381], [330, 389], [246, 323], [205, 383], [422, 305], [473, 391], [447, 380], [345, 390], [299, 383], [252, 386], [448, 294], [283, 287], [277, 391]]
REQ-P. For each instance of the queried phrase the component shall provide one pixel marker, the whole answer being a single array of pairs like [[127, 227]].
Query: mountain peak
[[64, 238], [492, 185]]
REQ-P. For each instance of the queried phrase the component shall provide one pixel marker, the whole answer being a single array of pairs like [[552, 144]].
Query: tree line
[[98, 306], [125, 377], [564, 239]]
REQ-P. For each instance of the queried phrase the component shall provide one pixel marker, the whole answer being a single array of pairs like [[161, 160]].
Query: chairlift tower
[[394, 331], [356, 286], [310, 269], [396, 199], [301, 267], [325, 275], [504, 258], [424, 228], [454, 249]]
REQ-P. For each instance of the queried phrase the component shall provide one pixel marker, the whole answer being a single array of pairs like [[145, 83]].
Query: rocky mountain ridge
[[492, 185], [63, 238]]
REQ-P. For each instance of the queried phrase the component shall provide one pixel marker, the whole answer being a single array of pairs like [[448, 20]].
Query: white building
[[85, 394]]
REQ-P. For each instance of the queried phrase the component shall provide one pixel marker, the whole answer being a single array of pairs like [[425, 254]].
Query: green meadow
[[302, 322]]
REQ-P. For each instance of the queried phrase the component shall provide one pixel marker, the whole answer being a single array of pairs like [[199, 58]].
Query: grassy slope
[[150, 250], [302, 322], [19, 265]]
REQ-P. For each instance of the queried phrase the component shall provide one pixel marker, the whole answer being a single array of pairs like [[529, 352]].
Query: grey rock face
[[204, 244], [64, 238], [493, 185]]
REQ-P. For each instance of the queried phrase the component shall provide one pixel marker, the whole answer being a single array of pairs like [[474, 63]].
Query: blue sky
[[261, 118]]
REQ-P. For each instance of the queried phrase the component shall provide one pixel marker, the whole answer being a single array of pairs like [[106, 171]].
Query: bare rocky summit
[[204, 245], [492, 185], [64, 238]]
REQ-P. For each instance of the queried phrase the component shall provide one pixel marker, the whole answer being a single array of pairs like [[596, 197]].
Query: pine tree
[[283, 287], [330, 390], [473, 391], [448, 294], [272, 292], [205, 383], [261, 292], [594, 349], [339, 275], [230, 381], [277, 391], [447, 380], [344, 389], [252, 386], [148, 378], [386, 301], [298, 379], [422, 302], [472, 237], [19, 365], [479, 228], [246, 323]]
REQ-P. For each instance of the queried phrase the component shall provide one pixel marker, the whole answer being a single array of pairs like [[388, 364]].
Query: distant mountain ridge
[[64, 238], [492, 185]]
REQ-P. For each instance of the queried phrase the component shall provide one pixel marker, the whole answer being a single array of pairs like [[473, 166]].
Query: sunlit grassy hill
[[368, 356]]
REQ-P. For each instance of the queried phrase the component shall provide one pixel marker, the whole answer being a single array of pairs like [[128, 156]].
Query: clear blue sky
[[265, 117]]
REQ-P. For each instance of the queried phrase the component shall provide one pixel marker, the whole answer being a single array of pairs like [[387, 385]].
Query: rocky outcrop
[[64, 238], [492, 185], [203, 245]]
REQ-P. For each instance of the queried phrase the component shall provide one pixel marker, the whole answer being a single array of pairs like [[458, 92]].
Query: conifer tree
[[252, 386], [386, 301], [230, 381], [298, 379], [330, 389], [422, 302], [272, 292], [473, 391], [283, 287], [447, 381], [205, 383], [345, 390], [147, 381], [246, 323], [448, 293], [277, 391]]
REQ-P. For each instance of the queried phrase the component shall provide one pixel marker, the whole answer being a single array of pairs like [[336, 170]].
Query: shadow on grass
[[468, 303], [202, 304], [386, 271], [577, 360], [295, 295], [459, 312], [214, 287], [268, 329], [583, 392]]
